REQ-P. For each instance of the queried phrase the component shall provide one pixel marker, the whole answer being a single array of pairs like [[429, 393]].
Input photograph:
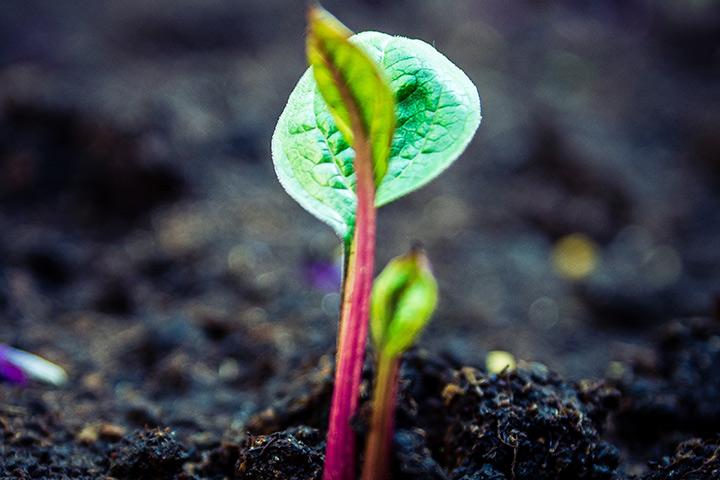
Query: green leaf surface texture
[[437, 110]]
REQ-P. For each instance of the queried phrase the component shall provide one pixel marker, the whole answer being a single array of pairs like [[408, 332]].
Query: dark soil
[[693, 460], [147, 248], [673, 394]]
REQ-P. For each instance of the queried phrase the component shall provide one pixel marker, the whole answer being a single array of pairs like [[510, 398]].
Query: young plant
[[374, 118], [403, 299]]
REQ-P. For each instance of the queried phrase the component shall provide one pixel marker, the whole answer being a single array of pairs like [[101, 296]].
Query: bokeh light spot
[[575, 256], [498, 360]]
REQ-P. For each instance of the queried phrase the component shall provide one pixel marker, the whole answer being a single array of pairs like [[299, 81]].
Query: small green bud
[[404, 297]]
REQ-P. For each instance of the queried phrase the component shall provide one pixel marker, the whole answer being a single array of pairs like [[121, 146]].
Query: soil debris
[[294, 454], [525, 424], [676, 393], [693, 460], [461, 423], [148, 454]]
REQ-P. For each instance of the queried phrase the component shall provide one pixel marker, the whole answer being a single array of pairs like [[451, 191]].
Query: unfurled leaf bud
[[403, 299]]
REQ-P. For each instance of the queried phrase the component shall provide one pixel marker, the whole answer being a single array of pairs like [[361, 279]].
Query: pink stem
[[352, 336]]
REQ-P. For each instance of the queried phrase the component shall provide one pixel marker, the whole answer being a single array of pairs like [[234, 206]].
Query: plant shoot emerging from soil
[[374, 118], [403, 299]]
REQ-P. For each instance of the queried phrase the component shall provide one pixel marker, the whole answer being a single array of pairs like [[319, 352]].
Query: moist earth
[[147, 247]]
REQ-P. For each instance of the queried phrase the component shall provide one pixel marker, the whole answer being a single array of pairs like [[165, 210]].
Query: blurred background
[[146, 243]]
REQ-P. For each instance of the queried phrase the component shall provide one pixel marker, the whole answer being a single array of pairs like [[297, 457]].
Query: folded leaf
[[404, 297], [351, 84]]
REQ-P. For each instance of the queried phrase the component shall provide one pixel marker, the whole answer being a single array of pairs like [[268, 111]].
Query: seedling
[[374, 118], [403, 299]]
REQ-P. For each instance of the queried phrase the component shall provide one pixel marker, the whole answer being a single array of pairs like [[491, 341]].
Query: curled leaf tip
[[355, 90], [318, 17]]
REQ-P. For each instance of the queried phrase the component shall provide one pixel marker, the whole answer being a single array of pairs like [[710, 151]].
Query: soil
[[147, 248]]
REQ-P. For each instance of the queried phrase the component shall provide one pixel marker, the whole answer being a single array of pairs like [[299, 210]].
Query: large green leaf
[[437, 110]]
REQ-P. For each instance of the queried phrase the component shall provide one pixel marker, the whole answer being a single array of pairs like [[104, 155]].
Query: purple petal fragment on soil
[[9, 371], [18, 366]]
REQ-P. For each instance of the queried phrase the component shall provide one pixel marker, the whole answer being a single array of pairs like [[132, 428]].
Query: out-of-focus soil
[[146, 246]]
